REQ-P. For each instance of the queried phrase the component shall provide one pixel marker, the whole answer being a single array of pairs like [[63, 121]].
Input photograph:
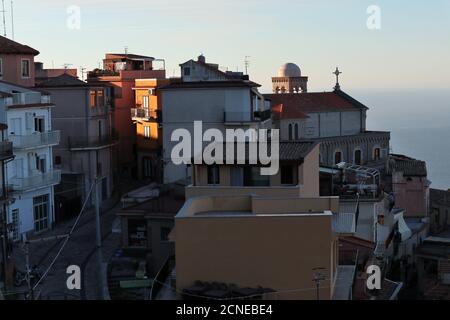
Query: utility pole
[[26, 251], [99, 237]]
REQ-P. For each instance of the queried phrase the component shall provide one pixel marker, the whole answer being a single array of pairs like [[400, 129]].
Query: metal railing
[[91, 142], [35, 140], [49, 178], [143, 113]]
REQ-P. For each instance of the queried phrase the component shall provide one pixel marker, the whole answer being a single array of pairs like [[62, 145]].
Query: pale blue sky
[[411, 50]]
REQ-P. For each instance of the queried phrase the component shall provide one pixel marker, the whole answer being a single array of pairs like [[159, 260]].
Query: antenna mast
[[4, 18], [12, 19], [247, 64]]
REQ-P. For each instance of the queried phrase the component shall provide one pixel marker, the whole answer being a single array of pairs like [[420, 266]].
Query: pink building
[[17, 62], [120, 72], [409, 184]]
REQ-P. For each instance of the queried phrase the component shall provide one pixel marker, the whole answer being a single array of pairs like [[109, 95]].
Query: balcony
[[35, 140], [36, 181], [6, 150], [244, 117], [91, 143], [263, 115], [147, 114]]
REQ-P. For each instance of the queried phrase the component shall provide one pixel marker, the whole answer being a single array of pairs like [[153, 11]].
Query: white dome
[[289, 70]]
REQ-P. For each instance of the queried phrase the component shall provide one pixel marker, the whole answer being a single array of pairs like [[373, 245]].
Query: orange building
[[120, 71], [147, 115]]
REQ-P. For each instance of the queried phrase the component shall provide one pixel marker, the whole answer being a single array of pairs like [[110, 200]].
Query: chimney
[[201, 58]]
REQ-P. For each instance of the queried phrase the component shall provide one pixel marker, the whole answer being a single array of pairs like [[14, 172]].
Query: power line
[[66, 239]]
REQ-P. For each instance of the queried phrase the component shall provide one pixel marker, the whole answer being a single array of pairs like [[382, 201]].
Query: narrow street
[[80, 250]]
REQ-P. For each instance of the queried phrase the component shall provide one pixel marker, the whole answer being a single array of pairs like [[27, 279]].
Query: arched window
[[376, 153], [290, 132], [358, 157], [337, 157], [297, 132]]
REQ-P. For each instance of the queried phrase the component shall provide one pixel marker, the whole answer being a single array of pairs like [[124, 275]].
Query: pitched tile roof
[[316, 101], [280, 111], [8, 46], [409, 166], [63, 80]]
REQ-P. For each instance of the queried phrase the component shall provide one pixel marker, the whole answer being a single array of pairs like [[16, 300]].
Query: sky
[[410, 50]]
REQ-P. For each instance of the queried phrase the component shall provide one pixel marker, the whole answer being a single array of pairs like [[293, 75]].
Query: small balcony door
[[39, 125], [16, 127]]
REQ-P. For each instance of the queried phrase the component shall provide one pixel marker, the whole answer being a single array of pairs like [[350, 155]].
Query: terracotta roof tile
[[8, 46], [316, 101], [279, 111]]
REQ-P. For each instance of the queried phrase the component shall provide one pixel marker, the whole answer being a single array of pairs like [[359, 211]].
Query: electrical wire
[[66, 240]]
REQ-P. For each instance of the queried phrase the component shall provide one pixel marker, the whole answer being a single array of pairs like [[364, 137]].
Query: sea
[[419, 122]]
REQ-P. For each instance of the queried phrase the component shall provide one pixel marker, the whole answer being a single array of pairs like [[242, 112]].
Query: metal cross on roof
[[337, 73]]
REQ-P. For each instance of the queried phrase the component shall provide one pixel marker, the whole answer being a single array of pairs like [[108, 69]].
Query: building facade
[[17, 62], [31, 175], [334, 118], [86, 150], [147, 116], [120, 72], [221, 100]]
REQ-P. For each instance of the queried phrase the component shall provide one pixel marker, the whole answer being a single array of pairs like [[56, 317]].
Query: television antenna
[[4, 18], [247, 64]]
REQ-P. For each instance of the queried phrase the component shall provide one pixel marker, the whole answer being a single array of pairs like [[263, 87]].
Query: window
[[287, 175], [57, 160], [290, 132], [146, 132], [146, 167], [213, 175], [165, 234], [99, 129], [41, 164], [337, 157], [92, 98], [187, 71], [376, 154], [1, 68], [25, 68], [15, 225], [297, 133], [101, 98], [39, 125], [358, 157], [145, 102], [40, 210], [253, 178], [137, 233]]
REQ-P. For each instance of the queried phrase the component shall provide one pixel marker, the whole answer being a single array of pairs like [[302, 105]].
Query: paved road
[[80, 250]]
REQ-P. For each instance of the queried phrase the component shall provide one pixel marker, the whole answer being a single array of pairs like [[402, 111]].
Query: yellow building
[[276, 234], [147, 115]]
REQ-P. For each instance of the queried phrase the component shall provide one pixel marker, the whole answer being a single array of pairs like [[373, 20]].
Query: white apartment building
[[221, 100], [30, 176]]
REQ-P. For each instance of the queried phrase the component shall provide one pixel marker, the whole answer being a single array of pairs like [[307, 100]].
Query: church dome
[[289, 70]]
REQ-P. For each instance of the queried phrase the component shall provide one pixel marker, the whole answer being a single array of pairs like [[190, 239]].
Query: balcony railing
[[263, 115], [91, 143], [40, 180], [237, 116], [142, 113], [35, 140]]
